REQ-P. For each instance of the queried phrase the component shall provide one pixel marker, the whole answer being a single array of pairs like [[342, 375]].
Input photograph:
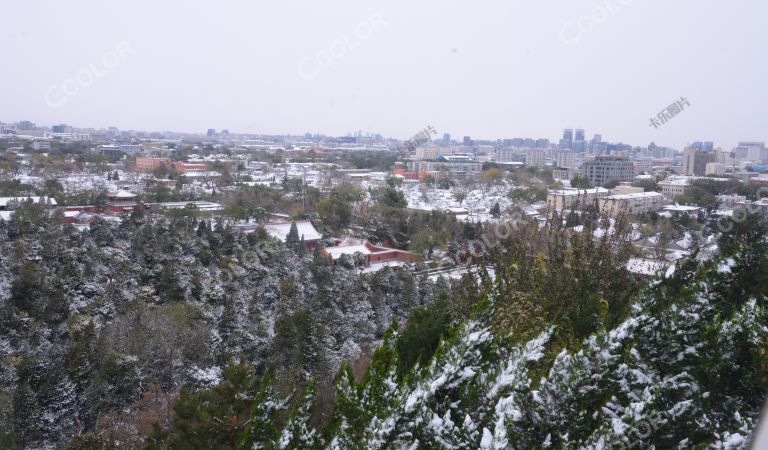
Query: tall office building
[[595, 143], [25, 125], [579, 134], [467, 141], [603, 169], [446, 138], [695, 161], [567, 140], [706, 146], [211, 132]]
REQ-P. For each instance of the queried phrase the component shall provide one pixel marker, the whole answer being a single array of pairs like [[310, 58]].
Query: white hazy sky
[[488, 69]]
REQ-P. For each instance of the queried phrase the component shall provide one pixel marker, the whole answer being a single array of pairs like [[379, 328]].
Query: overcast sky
[[488, 69]]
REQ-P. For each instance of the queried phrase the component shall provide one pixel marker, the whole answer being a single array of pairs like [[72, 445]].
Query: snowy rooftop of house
[[337, 251], [679, 180], [41, 200], [635, 195], [570, 192], [200, 173], [122, 194], [681, 208], [280, 230]]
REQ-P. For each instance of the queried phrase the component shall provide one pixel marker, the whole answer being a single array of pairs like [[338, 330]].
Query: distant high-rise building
[[61, 128], [467, 140], [751, 151], [211, 132], [568, 134], [579, 134], [446, 138], [112, 133], [603, 169], [567, 140], [595, 144], [25, 125], [706, 146], [579, 144], [695, 161]]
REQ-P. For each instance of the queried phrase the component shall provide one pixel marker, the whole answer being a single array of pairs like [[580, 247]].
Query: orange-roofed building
[[183, 167], [146, 164]]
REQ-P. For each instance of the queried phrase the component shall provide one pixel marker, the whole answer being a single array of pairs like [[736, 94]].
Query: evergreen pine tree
[[299, 431]]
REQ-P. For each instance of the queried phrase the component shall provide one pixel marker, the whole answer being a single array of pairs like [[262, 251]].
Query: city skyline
[[217, 132]]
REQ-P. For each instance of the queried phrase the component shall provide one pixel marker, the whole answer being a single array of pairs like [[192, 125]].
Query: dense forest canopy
[[182, 333]]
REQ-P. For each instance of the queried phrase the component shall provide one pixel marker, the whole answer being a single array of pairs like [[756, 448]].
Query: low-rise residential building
[[363, 252], [754, 207], [635, 203], [41, 145], [674, 186], [431, 152], [451, 169], [680, 210], [567, 198], [623, 189], [679, 184]]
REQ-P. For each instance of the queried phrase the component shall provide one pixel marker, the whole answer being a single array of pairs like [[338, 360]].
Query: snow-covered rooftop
[[681, 208], [305, 228], [575, 192], [636, 195], [337, 251], [122, 194]]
